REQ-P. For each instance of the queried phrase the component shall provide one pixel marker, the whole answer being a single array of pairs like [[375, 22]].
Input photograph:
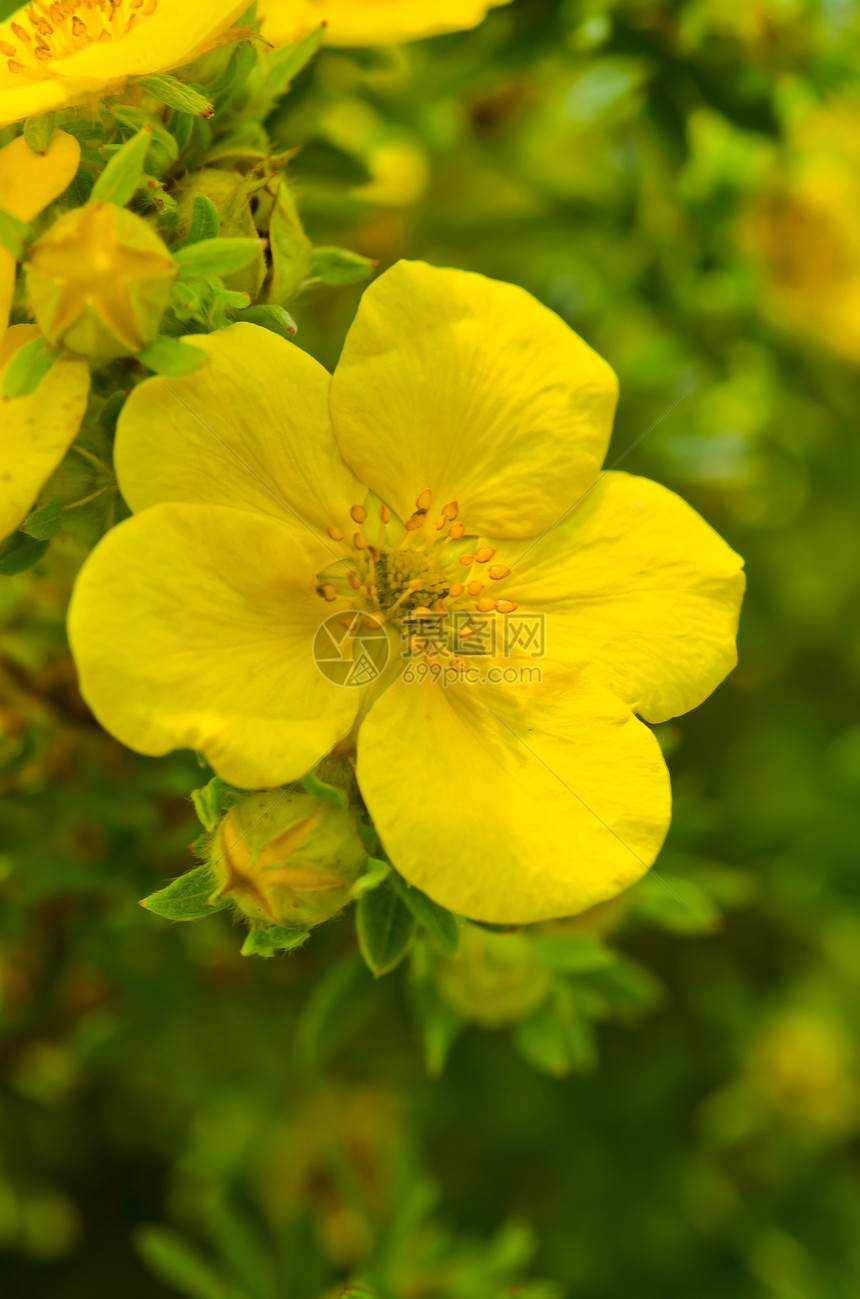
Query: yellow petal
[[192, 627], [251, 429], [470, 387], [514, 803], [36, 431], [368, 22], [20, 98], [634, 584]]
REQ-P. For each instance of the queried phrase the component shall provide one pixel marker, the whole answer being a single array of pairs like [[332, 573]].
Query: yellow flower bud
[[231, 194], [494, 979], [287, 860], [99, 280]]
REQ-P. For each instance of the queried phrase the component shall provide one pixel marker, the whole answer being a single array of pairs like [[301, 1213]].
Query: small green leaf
[[217, 256], [13, 233], [265, 942], [20, 552], [213, 800], [339, 266], [574, 953], [39, 131], [172, 357], [321, 789], [386, 928], [121, 176], [268, 316], [204, 223], [438, 921], [186, 898], [556, 1043], [376, 872], [281, 66], [177, 94], [179, 1264], [28, 367], [358, 1292], [45, 522]]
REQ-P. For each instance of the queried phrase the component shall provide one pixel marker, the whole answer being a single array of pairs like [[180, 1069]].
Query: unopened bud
[[99, 280], [494, 979], [287, 860]]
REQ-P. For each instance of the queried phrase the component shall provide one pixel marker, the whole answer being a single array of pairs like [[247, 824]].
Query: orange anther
[[456, 531], [498, 571], [358, 513], [440, 607], [422, 612], [456, 589], [415, 522], [506, 606], [423, 500], [384, 514], [475, 588], [484, 553], [327, 591], [466, 560], [451, 510], [335, 533], [360, 541], [485, 604], [355, 581]]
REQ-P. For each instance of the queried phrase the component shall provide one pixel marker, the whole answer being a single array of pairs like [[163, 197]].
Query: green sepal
[[180, 127], [13, 233], [281, 67], [177, 94], [234, 79], [385, 927], [187, 898], [28, 367], [20, 552], [39, 131], [204, 223], [321, 789], [268, 316], [121, 176], [331, 265], [213, 800], [376, 872], [44, 523], [171, 357], [266, 942], [438, 921], [163, 149], [217, 256]]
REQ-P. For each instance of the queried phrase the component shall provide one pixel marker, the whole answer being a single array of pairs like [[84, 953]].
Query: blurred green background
[[176, 1118]]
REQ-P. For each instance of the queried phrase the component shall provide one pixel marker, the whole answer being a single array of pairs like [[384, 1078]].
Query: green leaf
[[28, 367], [266, 942], [213, 800], [39, 131], [204, 223], [20, 552], [372, 878], [180, 127], [163, 149], [676, 903], [281, 66], [177, 94], [13, 233], [339, 266], [556, 1042], [45, 522], [171, 357], [321, 789], [358, 1292], [121, 176], [386, 928], [574, 953], [217, 256], [268, 316], [438, 921], [179, 1264], [186, 898]]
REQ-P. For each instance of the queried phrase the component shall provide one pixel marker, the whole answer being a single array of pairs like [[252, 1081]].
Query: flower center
[[57, 30], [409, 579]]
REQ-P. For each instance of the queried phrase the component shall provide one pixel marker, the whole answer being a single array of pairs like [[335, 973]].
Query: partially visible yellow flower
[[36, 431], [803, 232], [99, 280], [369, 22], [28, 183], [67, 51], [450, 467]]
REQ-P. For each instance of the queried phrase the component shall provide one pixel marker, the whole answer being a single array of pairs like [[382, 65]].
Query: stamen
[[358, 513], [7, 49], [475, 588], [484, 553], [416, 521], [506, 606], [456, 531], [385, 513], [327, 591], [354, 581], [456, 590], [485, 604], [359, 540], [466, 560], [498, 571], [423, 500], [335, 533]]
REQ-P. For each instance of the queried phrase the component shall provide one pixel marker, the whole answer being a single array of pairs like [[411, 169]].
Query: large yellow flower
[[66, 51], [460, 437], [369, 22]]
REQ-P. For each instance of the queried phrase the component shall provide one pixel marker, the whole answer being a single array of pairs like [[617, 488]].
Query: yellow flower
[[36, 431], [460, 437], [28, 183], [369, 22], [66, 51]]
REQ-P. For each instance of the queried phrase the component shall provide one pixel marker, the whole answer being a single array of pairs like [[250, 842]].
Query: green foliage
[[39, 131], [171, 357], [20, 552], [177, 94], [13, 233], [28, 367], [123, 173], [187, 898], [439, 922], [339, 266], [45, 522], [385, 928], [204, 223]]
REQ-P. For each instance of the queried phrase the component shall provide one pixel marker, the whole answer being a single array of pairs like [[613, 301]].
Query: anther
[[354, 581], [485, 604], [79, 27], [484, 553], [385, 514], [451, 510], [456, 531], [466, 560], [359, 540], [358, 513], [465, 632], [423, 500], [475, 588], [421, 612], [506, 606], [415, 522], [440, 607], [457, 589], [459, 665], [335, 533], [7, 48], [374, 554], [498, 571], [327, 591], [441, 521]]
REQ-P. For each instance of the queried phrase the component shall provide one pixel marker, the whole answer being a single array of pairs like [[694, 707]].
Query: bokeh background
[[680, 182]]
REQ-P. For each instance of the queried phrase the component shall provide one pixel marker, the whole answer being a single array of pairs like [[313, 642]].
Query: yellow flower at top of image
[[802, 232], [369, 22], [320, 564], [59, 52]]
